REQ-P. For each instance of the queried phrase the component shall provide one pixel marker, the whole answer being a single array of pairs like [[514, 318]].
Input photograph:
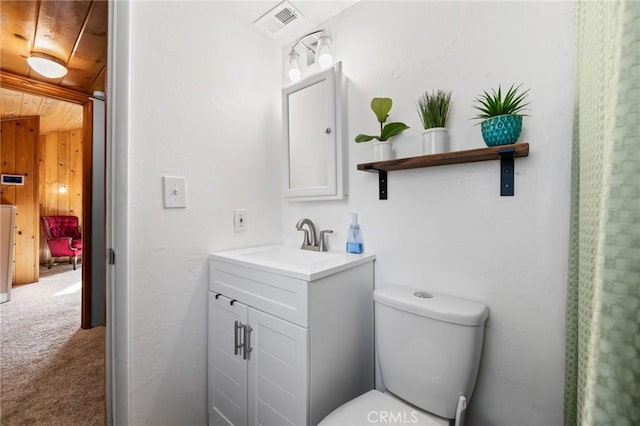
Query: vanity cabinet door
[[227, 371], [278, 371]]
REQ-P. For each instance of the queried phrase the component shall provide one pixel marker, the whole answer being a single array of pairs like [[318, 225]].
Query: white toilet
[[429, 348]]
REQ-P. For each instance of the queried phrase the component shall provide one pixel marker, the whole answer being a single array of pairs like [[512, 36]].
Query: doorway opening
[[46, 140], [92, 304]]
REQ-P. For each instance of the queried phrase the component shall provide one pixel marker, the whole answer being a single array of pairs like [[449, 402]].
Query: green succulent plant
[[493, 104], [381, 108], [433, 109]]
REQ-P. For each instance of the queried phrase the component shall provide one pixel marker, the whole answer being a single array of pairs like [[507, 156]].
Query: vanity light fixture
[[47, 65], [321, 48]]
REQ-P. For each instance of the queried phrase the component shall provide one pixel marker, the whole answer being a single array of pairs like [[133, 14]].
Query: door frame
[[118, 210], [27, 85]]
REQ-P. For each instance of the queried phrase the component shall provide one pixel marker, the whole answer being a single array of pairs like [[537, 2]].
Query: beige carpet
[[51, 371]]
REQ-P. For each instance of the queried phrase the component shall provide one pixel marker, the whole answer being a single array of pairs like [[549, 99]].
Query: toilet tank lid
[[440, 306]]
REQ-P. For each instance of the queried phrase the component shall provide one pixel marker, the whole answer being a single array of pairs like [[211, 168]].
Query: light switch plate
[[240, 220], [175, 192]]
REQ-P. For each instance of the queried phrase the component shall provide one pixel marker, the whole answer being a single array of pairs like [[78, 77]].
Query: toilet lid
[[377, 408]]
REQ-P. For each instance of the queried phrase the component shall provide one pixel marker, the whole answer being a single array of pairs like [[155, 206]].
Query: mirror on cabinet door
[[314, 126]]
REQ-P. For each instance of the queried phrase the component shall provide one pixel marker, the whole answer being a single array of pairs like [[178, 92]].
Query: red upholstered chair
[[63, 237]]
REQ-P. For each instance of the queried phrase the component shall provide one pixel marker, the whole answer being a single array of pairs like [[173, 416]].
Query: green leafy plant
[[493, 104], [381, 108], [433, 109]]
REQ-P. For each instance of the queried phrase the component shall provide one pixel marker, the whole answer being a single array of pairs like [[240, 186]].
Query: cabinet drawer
[[279, 295]]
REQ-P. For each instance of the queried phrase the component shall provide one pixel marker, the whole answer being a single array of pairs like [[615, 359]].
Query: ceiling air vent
[[277, 18]]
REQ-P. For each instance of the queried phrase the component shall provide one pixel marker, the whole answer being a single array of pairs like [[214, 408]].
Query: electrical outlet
[[240, 220]]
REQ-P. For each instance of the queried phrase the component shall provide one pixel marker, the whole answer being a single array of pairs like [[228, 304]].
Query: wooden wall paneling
[[21, 272], [8, 165], [42, 190], [51, 173], [8, 159], [75, 173], [63, 172], [60, 161], [42, 176], [27, 244]]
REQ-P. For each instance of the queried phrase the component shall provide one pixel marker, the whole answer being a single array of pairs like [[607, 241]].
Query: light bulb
[[325, 60], [294, 74], [293, 69], [47, 65], [323, 52], [62, 188]]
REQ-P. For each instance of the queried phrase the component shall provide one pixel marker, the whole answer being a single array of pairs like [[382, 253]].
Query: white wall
[[446, 228], [205, 92]]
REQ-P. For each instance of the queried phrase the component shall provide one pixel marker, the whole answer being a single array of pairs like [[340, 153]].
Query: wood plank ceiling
[[72, 31], [54, 115]]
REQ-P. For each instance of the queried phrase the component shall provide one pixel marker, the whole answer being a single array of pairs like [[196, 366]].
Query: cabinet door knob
[[231, 302]]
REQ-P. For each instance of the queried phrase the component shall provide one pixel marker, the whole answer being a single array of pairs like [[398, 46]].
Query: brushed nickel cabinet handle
[[247, 341], [236, 339]]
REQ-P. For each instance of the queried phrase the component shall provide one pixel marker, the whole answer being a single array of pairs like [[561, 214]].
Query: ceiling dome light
[[47, 65]]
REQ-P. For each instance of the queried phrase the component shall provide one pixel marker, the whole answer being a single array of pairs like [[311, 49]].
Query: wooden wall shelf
[[504, 153]]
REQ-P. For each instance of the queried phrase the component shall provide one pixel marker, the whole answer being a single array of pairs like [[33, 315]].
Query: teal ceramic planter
[[501, 129]]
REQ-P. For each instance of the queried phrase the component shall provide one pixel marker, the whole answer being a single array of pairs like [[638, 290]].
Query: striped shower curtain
[[602, 385]]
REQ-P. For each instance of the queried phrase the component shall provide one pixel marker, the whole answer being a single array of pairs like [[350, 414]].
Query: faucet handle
[[323, 244]]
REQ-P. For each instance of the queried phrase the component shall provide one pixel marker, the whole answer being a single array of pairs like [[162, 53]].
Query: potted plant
[[382, 148], [433, 110], [502, 121]]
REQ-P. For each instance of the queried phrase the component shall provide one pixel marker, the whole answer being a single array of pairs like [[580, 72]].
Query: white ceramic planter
[[435, 140], [382, 151]]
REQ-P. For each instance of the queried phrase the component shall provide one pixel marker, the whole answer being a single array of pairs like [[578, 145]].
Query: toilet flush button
[[423, 294]]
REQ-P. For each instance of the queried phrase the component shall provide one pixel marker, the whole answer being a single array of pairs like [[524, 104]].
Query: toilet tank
[[429, 346]]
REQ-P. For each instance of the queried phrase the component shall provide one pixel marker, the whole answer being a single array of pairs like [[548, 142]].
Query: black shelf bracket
[[382, 185], [507, 173], [505, 153]]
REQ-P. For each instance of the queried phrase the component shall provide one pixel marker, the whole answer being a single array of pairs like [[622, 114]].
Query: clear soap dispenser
[[355, 243]]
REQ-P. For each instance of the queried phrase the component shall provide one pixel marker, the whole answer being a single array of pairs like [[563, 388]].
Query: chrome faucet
[[311, 240]]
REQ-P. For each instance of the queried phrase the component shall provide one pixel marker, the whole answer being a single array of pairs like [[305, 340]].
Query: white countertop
[[292, 261]]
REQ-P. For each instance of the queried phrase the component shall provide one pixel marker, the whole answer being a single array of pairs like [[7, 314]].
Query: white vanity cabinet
[[288, 345], [269, 381]]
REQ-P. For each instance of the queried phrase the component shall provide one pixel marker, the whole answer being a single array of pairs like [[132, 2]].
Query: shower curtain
[[602, 383]]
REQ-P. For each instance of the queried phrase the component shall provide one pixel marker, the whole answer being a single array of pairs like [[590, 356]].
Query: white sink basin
[[291, 256], [293, 261]]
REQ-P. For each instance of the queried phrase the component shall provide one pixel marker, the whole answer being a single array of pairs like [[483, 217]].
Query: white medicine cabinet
[[314, 118]]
